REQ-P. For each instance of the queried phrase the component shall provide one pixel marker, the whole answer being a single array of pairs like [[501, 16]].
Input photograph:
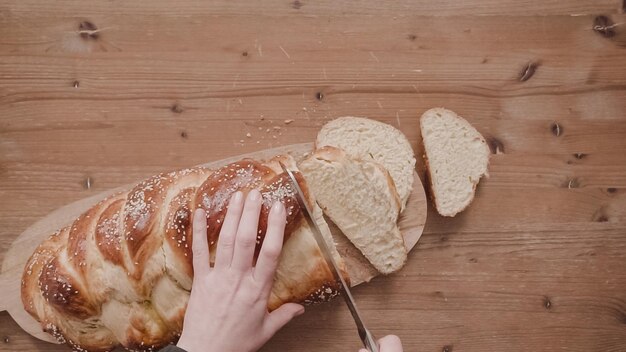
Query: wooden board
[[411, 225], [536, 263]]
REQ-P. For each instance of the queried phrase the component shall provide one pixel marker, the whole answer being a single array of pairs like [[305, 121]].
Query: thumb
[[281, 316]]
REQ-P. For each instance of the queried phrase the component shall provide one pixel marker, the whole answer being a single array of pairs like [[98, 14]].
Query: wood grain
[[166, 8], [537, 263]]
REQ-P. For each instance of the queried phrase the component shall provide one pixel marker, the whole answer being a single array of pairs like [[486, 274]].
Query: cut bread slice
[[361, 199], [299, 246], [367, 139], [456, 158]]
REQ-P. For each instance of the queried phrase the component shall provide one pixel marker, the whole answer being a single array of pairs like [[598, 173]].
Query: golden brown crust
[[64, 292], [245, 175], [120, 274], [429, 181], [108, 236], [178, 227], [140, 218], [34, 266]]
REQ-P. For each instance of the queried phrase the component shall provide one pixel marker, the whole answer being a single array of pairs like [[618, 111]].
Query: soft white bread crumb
[[457, 157], [361, 199], [367, 139]]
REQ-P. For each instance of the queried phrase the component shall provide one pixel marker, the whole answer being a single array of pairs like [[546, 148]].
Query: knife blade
[[366, 336]]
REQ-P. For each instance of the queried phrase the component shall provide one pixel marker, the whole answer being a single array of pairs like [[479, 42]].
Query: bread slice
[[367, 139], [361, 199], [456, 158]]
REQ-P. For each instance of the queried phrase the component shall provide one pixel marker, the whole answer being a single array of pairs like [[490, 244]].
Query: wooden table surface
[[96, 94]]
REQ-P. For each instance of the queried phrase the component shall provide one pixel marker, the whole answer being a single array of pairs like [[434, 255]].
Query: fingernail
[[237, 196], [300, 312], [278, 208], [254, 195]]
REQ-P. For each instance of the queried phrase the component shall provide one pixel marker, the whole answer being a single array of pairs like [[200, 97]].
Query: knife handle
[[369, 342]]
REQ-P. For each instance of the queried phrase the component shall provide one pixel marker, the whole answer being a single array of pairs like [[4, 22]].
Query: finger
[[228, 232], [199, 244], [247, 232], [390, 343], [272, 246], [281, 316]]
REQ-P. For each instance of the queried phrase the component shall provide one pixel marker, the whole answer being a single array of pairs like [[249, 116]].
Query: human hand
[[227, 309], [389, 343]]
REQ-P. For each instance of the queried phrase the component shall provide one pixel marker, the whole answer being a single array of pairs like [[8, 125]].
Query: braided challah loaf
[[121, 273]]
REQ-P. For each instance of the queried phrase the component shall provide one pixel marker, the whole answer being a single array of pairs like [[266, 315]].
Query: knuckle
[[199, 253], [248, 297], [246, 240], [272, 253], [226, 242]]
